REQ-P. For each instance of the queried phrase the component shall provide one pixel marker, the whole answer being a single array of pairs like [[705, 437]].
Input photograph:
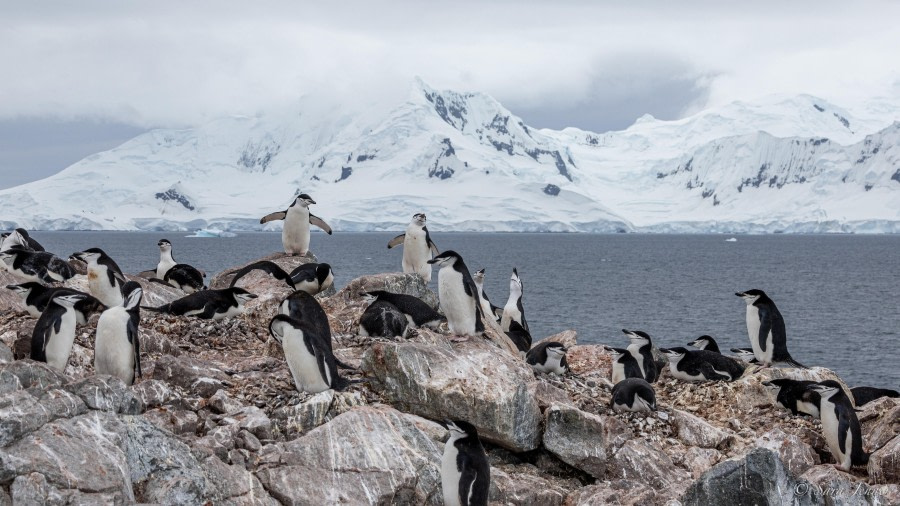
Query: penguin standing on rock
[[641, 348], [765, 327], [182, 276], [54, 332], [465, 472], [840, 426], [418, 248], [117, 348], [297, 219], [36, 297], [208, 304], [308, 356], [458, 295], [105, 278], [39, 266], [514, 310], [633, 394], [548, 357]]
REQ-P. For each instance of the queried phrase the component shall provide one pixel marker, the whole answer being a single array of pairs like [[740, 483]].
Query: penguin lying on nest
[[311, 278], [208, 304]]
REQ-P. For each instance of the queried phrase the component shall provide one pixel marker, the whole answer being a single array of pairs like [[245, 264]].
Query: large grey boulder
[[106, 393], [644, 461], [758, 478], [22, 413], [841, 489], [473, 381], [31, 375], [523, 489], [884, 465], [196, 376], [796, 455], [619, 492], [584, 440], [369, 455], [695, 431]]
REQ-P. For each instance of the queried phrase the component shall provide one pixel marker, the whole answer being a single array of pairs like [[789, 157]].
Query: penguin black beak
[[432, 261], [664, 350], [739, 294]]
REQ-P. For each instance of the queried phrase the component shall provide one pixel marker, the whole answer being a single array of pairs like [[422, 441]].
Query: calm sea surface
[[838, 294]]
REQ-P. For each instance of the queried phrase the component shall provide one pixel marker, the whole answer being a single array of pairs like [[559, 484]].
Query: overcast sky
[[79, 77]]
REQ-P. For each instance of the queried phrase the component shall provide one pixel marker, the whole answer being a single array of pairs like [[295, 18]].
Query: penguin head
[[15, 238], [303, 200], [674, 354], [322, 273], [132, 293], [826, 389], [515, 283], [23, 289], [637, 336], [751, 296], [702, 342], [69, 299], [240, 295], [370, 297], [164, 245], [282, 325], [479, 276], [744, 354], [615, 352], [419, 219], [445, 259], [89, 255], [776, 385], [556, 350], [460, 429]]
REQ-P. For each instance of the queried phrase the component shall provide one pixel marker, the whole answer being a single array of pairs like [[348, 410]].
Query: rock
[[34, 489], [235, 486], [155, 294], [698, 460], [106, 393], [524, 489], [880, 422], [583, 440], [32, 375], [83, 452], [589, 361], [695, 431], [6, 354], [758, 478], [643, 461], [153, 393], [22, 413], [472, 381], [620, 492], [369, 455], [394, 282], [306, 415], [839, 488], [254, 420], [884, 465], [567, 338], [194, 375], [248, 441], [221, 402], [547, 395], [796, 455]]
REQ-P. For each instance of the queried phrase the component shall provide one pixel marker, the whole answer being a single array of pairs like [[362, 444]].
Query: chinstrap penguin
[[182, 276], [19, 237], [382, 319], [418, 248], [208, 304], [309, 358], [514, 310], [765, 327], [633, 394], [705, 343], [311, 278], [105, 278], [794, 396], [624, 365], [519, 336], [548, 357], [465, 472], [458, 295], [487, 308], [117, 347], [297, 219], [36, 297], [39, 266], [865, 395], [641, 348], [840, 426], [745, 355], [303, 307], [416, 310], [702, 365], [54, 332]]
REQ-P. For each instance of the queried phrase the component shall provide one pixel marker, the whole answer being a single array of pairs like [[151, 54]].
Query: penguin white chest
[[551, 365], [753, 325], [684, 375], [830, 424], [618, 372], [59, 346], [295, 233], [635, 351], [166, 262], [230, 312], [450, 475], [458, 307], [416, 253], [303, 365], [113, 354], [98, 284]]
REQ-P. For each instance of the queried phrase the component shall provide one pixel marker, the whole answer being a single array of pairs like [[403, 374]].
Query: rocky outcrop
[[470, 381], [583, 440]]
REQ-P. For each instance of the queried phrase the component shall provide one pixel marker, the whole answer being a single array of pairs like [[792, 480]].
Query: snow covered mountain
[[783, 164]]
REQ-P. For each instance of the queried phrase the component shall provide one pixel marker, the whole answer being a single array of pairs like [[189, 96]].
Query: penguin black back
[[706, 343], [304, 307], [865, 395], [465, 472], [420, 312], [519, 336]]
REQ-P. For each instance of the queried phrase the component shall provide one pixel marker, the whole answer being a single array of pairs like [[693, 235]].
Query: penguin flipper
[[396, 241], [765, 326], [472, 472], [319, 222], [132, 332], [209, 310], [843, 427], [431, 245], [278, 215], [710, 374]]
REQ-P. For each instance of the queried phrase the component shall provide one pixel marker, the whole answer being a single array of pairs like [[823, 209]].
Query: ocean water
[[838, 293]]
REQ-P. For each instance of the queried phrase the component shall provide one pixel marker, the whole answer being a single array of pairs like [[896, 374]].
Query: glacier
[[782, 164]]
